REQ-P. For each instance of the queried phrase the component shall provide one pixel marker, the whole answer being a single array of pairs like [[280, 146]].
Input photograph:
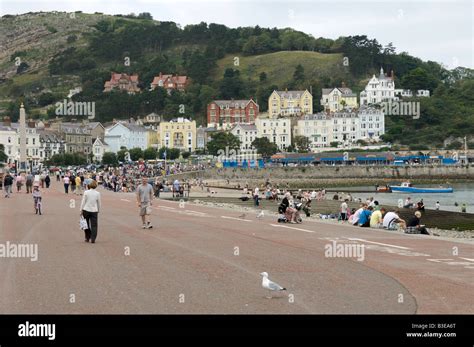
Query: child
[[37, 199]]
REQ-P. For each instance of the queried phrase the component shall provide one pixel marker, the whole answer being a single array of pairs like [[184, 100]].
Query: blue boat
[[406, 187]]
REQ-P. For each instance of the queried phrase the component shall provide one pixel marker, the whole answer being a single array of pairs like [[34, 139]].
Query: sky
[[441, 31]]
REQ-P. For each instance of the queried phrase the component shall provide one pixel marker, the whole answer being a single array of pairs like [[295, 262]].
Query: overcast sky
[[442, 31]]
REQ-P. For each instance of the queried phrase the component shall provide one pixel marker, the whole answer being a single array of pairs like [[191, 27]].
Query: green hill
[[280, 66]]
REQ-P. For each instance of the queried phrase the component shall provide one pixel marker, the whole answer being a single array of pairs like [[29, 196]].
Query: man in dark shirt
[[415, 221]]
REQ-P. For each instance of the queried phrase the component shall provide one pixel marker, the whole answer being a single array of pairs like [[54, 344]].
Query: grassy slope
[[280, 66]]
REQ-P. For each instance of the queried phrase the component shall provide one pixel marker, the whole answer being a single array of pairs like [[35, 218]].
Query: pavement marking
[[378, 243], [182, 211], [465, 264], [125, 200], [167, 207], [240, 219], [284, 226], [467, 259]]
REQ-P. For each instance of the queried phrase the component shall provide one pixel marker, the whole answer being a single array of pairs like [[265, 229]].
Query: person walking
[[47, 180], [256, 197], [7, 184], [29, 183], [19, 182], [144, 201], [90, 207], [78, 185], [66, 184], [58, 179], [72, 183]]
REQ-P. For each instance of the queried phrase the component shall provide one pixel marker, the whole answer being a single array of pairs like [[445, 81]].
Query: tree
[[145, 15], [302, 143], [334, 143], [232, 85], [263, 76], [224, 141], [264, 146], [150, 153], [109, 158], [22, 67], [136, 153], [298, 75], [186, 155], [121, 154], [419, 79], [171, 153]]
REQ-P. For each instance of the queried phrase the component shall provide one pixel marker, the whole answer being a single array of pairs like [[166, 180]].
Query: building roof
[[294, 94], [345, 91], [233, 103], [246, 127], [49, 135], [177, 79]]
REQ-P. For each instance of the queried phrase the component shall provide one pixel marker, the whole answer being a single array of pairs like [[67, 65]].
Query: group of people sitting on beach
[[371, 215]]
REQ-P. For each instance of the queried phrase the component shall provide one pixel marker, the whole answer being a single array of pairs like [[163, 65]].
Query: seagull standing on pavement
[[269, 285], [260, 215]]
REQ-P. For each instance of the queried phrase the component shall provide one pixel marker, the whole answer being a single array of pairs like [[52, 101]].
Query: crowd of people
[[371, 214]]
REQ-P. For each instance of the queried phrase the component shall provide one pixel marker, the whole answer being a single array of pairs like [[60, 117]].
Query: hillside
[[280, 66], [46, 54]]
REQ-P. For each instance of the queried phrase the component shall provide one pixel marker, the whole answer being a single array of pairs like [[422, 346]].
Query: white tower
[[22, 162]]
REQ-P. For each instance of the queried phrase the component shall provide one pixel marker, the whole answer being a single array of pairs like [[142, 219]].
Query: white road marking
[[167, 207], [284, 226], [125, 200], [377, 243], [240, 219], [465, 264], [467, 259]]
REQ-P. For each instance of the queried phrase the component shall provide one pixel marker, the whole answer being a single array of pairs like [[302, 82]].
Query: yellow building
[[153, 138], [336, 99], [178, 133], [290, 103]]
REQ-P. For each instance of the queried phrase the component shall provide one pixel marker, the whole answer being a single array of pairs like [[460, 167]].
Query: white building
[[51, 143], [372, 123], [246, 133], [10, 138], [317, 128], [277, 131], [380, 88], [126, 134], [346, 127], [99, 147]]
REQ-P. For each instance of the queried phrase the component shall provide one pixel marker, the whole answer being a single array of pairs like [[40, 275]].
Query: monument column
[[23, 162]]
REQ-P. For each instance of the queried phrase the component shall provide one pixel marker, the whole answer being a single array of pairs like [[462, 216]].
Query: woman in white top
[[90, 207], [66, 181]]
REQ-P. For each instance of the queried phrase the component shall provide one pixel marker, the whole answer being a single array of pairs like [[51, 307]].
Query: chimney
[[31, 123], [392, 75], [343, 84], [7, 121]]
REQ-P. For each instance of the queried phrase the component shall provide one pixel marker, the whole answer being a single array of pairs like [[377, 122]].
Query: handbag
[[83, 223]]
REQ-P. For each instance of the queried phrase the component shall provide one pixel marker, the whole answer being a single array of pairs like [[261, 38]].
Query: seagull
[[269, 285], [260, 215], [242, 215]]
